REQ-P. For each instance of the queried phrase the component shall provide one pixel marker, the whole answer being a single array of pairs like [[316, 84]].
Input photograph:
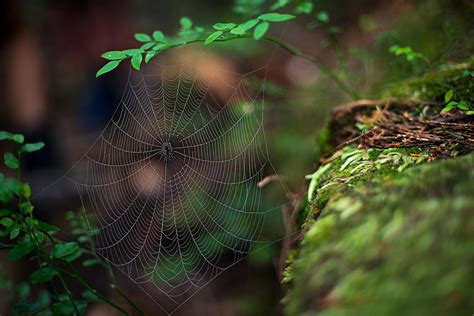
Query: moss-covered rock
[[399, 245], [434, 84], [389, 231]]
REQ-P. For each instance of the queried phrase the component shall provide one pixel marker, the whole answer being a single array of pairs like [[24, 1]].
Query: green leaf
[[14, 232], [63, 308], [211, 38], [448, 96], [62, 250], [159, 47], [463, 105], [28, 148], [24, 290], [147, 46], [5, 211], [394, 48], [43, 275], [75, 255], [27, 207], [11, 161], [260, 30], [186, 23], [114, 55], [159, 36], [26, 190], [89, 262], [39, 236], [137, 61], [305, 7], [22, 308], [244, 27], [14, 137], [447, 108], [132, 51], [30, 221], [279, 4], [50, 229], [83, 239], [142, 37], [5, 135], [224, 26], [149, 55], [89, 295], [18, 138], [470, 112], [21, 250], [111, 65], [275, 17], [7, 222], [315, 178], [322, 16]]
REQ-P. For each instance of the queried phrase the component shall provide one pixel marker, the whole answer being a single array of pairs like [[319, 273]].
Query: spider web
[[173, 180]]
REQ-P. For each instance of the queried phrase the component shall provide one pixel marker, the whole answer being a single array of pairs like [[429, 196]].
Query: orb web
[[173, 180]]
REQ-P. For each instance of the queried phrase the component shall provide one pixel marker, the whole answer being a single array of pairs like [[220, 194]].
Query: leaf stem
[[75, 274], [69, 294], [292, 50]]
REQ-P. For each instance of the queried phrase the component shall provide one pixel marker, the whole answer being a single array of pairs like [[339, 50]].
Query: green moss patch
[[400, 245]]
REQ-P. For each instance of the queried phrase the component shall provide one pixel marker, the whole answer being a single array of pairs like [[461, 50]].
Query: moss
[[323, 141], [432, 86], [373, 164], [397, 245], [386, 232]]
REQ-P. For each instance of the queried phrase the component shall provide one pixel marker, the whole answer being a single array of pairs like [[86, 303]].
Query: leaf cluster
[[25, 237], [462, 105]]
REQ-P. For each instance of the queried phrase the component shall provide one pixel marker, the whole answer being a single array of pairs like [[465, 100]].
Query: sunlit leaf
[[11, 161], [31, 147], [137, 61], [114, 55], [448, 96], [279, 4], [26, 190], [111, 65], [132, 51], [224, 26], [147, 46], [159, 36], [7, 222], [322, 16], [160, 47], [14, 137], [186, 23], [14, 232], [211, 38], [305, 7], [463, 105], [260, 30], [244, 27], [448, 107], [276, 17], [149, 55], [142, 37]]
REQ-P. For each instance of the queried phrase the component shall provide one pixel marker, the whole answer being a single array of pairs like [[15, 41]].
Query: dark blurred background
[[48, 91]]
